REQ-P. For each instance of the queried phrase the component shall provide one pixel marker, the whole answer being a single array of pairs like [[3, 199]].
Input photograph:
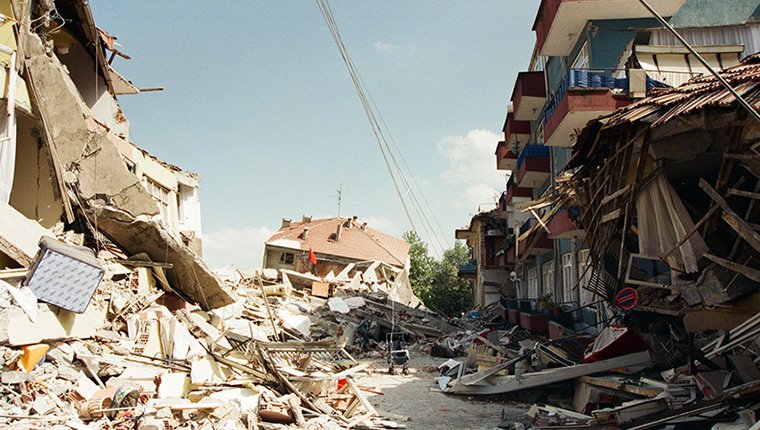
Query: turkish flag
[[312, 257]]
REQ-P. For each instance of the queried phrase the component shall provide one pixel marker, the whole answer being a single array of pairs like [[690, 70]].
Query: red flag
[[312, 257]]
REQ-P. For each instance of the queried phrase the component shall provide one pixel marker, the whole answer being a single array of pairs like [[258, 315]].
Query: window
[[547, 271], [582, 60], [567, 278], [161, 195], [132, 167], [533, 283], [287, 258], [584, 273]]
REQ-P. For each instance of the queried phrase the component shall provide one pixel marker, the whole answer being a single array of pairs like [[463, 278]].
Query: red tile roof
[[355, 242]]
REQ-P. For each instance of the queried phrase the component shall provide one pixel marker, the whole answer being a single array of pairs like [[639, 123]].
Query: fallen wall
[[92, 167]]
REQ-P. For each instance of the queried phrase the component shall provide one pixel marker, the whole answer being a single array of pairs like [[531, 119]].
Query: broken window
[[644, 270], [287, 258], [132, 167], [161, 195]]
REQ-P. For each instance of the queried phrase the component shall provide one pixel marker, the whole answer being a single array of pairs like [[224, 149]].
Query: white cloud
[[471, 158], [472, 165], [243, 247], [481, 196], [382, 224], [386, 47]]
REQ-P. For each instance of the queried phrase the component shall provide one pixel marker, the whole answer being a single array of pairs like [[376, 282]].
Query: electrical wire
[[379, 129]]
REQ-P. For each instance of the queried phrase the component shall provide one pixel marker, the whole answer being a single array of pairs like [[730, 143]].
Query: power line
[[391, 162]]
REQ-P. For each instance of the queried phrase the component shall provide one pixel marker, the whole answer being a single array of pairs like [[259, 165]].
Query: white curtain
[[663, 221]]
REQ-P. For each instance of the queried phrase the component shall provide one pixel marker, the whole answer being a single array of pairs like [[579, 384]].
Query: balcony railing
[[532, 151], [586, 78]]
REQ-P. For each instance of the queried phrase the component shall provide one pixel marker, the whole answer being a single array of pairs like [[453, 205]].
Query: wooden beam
[[735, 192], [616, 194], [619, 384], [611, 216], [693, 230], [510, 384], [740, 226], [748, 272], [733, 220]]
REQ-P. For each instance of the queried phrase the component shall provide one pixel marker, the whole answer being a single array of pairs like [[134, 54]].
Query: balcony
[[514, 191], [516, 133], [505, 158], [559, 23], [562, 227], [584, 95], [533, 166], [468, 271], [541, 244], [528, 96]]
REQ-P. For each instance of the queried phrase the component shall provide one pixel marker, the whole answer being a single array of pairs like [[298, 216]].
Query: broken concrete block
[[206, 371], [11, 377], [355, 302], [337, 304], [52, 323], [24, 297], [299, 323], [173, 385], [19, 235], [42, 405]]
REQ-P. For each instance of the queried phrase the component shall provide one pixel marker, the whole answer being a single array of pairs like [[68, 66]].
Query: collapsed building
[[67, 157], [667, 192]]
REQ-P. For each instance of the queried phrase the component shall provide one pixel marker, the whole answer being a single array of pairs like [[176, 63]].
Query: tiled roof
[[355, 242]]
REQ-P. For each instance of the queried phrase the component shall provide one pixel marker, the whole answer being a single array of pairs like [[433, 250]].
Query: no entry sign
[[627, 298]]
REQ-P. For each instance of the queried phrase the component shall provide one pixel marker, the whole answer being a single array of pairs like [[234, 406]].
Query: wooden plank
[[371, 412], [742, 229], [750, 273], [735, 192], [693, 230], [474, 378], [733, 220], [616, 194], [611, 216], [510, 384], [619, 384]]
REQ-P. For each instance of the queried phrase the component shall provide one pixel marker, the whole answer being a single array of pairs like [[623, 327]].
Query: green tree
[[436, 282], [450, 294], [422, 265]]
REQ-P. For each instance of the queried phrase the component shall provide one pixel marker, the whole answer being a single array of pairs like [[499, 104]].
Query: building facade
[[588, 61]]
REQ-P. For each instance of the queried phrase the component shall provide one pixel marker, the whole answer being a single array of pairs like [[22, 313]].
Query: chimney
[[339, 232], [305, 233], [364, 227], [306, 219], [285, 222]]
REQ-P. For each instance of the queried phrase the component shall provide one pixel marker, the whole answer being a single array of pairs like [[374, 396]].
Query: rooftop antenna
[[340, 196]]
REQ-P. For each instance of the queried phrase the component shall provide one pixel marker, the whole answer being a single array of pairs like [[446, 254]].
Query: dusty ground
[[411, 396]]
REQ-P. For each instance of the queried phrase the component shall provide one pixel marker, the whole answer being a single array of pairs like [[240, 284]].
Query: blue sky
[[258, 102]]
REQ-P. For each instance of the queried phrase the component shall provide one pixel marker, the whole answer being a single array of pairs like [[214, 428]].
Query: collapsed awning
[[674, 65]]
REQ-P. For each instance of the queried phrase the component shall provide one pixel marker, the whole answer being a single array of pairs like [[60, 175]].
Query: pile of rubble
[[131, 352], [621, 378]]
